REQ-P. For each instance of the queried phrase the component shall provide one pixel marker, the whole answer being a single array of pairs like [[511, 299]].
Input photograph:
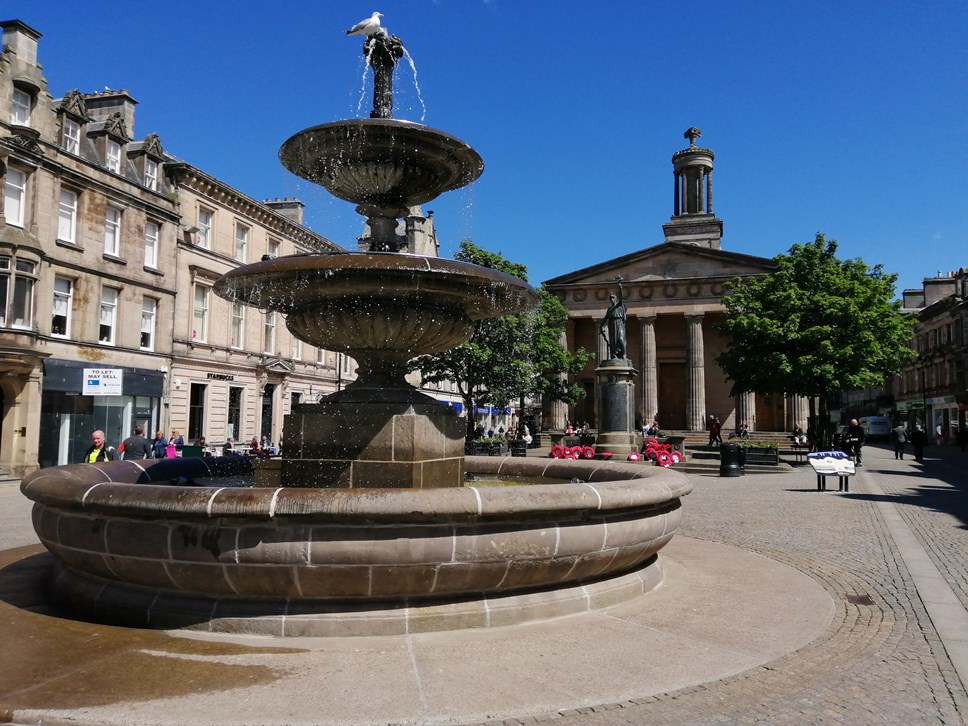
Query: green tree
[[814, 326], [510, 357]]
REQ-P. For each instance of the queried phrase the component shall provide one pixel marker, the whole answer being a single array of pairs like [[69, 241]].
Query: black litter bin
[[519, 448], [729, 464]]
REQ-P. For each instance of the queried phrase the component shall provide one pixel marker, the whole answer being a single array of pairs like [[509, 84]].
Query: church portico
[[673, 293]]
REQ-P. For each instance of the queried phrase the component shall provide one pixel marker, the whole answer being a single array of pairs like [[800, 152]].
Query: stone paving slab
[[876, 657]]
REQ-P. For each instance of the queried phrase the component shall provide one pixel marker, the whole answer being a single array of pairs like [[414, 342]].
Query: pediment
[[668, 261], [276, 365]]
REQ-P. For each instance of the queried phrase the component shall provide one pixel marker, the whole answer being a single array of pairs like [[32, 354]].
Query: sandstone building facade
[[673, 292]]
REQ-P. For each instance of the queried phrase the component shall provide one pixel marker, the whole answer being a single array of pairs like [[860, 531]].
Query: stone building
[[673, 292], [933, 389]]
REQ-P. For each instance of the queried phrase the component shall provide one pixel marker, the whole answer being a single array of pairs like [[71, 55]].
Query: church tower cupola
[[693, 221]]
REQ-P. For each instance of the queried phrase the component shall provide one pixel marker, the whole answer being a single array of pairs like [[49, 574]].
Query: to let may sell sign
[[102, 381]]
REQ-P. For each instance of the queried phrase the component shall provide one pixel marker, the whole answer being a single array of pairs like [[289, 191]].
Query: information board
[[103, 381]]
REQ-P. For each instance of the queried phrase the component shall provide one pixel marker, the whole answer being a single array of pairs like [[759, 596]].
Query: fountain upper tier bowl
[[381, 164], [394, 306]]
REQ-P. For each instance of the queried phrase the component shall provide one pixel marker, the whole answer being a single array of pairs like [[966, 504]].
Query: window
[[151, 174], [320, 356], [269, 337], [196, 411], [16, 295], [295, 349], [112, 155], [200, 314], [15, 194], [112, 231], [151, 244], [60, 322], [238, 326], [233, 423], [273, 248], [72, 135], [20, 107], [241, 239], [109, 315], [149, 309], [67, 216], [203, 237]]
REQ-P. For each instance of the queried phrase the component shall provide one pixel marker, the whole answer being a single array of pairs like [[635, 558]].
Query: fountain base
[[356, 444]]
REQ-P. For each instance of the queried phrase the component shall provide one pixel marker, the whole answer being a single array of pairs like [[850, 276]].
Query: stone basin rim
[[113, 488]]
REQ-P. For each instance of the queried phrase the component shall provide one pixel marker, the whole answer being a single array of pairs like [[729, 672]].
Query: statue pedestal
[[364, 444], [616, 407]]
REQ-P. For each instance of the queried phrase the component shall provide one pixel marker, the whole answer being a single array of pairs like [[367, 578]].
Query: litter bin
[[519, 447], [729, 460]]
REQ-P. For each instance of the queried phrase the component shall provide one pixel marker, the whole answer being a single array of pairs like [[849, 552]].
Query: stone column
[[559, 409], [709, 192], [798, 409], [696, 401], [746, 410], [649, 366], [700, 191], [675, 206], [603, 352]]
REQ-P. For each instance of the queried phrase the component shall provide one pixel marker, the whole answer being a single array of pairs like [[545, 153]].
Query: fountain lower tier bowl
[[136, 549], [385, 306], [381, 164]]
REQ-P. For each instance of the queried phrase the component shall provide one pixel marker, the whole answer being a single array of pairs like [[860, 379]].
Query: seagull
[[367, 27]]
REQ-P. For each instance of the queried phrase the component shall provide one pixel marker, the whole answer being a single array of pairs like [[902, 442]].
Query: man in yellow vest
[[99, 450]]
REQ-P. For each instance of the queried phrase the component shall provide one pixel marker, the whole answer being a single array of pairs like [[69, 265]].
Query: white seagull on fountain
[[370, 26]]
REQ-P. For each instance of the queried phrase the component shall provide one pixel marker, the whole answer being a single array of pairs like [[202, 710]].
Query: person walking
[[136, 446], [854, 438], [715, 432], [919, 438], [159, 445], [99, 449], [900, 436]]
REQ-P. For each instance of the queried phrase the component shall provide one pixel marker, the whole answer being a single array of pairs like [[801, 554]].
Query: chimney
[[21, 40], [100, 107], [291, 209]]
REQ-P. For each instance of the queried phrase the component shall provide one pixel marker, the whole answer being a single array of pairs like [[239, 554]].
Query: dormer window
[[112, 154], [151, 174], [71, 136], [20, 106]]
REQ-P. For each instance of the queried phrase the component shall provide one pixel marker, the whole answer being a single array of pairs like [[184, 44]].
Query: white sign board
[[102, 381], [831, 463]]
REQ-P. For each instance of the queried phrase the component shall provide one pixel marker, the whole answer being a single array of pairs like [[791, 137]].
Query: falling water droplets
[[416, 85]]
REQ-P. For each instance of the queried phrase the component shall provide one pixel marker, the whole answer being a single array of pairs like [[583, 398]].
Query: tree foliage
[[510, 357], [813, 326]]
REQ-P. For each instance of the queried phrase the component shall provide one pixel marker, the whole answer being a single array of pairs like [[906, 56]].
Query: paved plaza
[[781, 605]]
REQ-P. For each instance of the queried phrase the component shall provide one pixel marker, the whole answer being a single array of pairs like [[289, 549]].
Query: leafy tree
[[510, 357], [814, 326]]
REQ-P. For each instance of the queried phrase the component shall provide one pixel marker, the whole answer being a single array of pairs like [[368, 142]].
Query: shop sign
[[102, 381]]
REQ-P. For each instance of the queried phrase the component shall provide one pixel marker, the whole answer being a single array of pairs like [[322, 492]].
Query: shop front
[[78, 398]]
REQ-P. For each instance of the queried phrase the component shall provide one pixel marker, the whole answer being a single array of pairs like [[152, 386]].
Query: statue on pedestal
[[612, 327]]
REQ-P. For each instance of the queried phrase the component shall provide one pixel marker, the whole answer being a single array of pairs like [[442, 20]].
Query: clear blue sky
[[839, 116]]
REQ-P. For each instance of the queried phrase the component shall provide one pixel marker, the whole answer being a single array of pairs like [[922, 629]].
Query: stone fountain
[[365, 525]]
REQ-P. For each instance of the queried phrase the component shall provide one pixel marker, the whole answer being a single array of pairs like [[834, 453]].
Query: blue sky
[[839, 116]]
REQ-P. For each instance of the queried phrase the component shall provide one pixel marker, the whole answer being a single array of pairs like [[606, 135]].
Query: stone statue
[[612, 327]]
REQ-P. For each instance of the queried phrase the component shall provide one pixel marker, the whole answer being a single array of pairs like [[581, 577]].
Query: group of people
[[137, 447]]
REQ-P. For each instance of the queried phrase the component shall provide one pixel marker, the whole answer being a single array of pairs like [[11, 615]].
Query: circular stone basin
[[378, 301], [381, 162], [136, 549]]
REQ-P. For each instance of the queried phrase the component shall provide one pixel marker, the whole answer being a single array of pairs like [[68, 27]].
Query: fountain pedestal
[[616, 407], [357, 445]]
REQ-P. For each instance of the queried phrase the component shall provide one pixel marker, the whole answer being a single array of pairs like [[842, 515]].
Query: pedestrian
[[963, 437], [854, 440], [715, 434], [176, 440], [899, 435], [136, 446], [99, 449], [919, 438], [159, 445], [939, 434]]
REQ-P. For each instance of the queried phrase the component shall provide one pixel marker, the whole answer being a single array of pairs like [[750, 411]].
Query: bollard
[[729, 464]]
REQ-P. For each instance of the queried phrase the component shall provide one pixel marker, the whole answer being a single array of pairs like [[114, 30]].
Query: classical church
[[674, 295]]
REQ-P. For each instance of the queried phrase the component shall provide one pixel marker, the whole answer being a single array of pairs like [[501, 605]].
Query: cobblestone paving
[[880, 661]]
